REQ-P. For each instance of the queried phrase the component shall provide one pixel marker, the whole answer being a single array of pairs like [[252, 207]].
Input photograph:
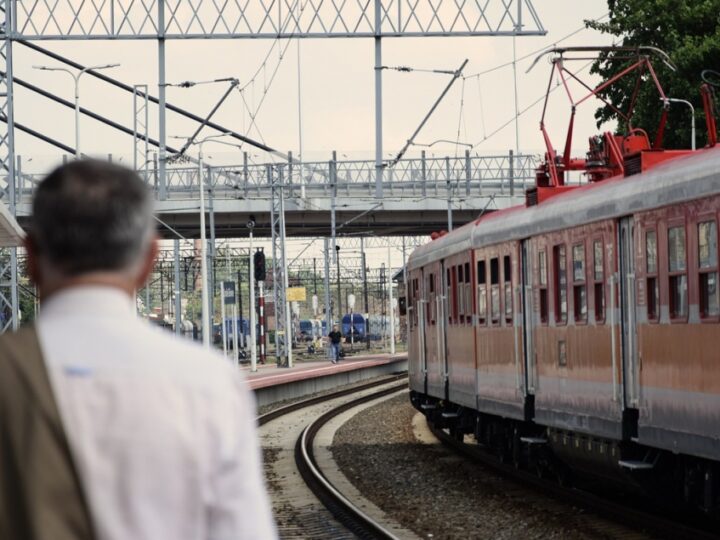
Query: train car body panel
[[578, 362], [678, 333], [460, 354], [499, 333]]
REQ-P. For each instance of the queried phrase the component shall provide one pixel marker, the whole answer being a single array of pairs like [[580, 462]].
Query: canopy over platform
[[11, 234]]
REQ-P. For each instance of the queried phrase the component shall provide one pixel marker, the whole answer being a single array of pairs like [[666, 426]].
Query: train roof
[[681, 179]]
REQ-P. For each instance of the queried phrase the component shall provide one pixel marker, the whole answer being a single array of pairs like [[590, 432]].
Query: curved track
[[356, 521], [651, 522]]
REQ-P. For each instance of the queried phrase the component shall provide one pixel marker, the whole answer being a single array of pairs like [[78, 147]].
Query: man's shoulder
[[186, 359]]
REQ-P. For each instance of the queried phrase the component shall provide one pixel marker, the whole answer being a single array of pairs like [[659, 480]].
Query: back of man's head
[[91, 216]]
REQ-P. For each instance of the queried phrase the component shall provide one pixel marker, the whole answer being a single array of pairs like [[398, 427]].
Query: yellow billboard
[[296, 294]]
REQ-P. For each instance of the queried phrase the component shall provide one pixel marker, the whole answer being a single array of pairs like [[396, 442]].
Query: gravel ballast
[[440, 495]]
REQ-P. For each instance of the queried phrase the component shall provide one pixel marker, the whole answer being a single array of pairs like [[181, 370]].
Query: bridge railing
[[424, 176], [431, 177]]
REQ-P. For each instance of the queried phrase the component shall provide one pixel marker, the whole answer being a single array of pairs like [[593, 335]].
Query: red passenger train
[[581, 331]]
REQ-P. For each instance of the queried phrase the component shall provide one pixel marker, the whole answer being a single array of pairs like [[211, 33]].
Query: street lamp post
[[76, 78], [692, 116]]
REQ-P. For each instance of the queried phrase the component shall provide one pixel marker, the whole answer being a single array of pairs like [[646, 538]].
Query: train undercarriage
[[572, 458]]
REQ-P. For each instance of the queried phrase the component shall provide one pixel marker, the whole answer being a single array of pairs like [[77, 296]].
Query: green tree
[[689, 31]]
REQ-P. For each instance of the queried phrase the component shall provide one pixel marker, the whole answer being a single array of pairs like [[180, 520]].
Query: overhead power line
[[537, 51]]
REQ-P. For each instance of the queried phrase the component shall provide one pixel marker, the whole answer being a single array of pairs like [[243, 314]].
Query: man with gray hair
[[110, 428]]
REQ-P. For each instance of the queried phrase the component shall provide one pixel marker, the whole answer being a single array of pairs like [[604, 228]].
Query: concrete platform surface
[[272, 384], [271, 375]]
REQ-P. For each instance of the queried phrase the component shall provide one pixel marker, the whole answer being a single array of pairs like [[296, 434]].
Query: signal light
[[259, 263]]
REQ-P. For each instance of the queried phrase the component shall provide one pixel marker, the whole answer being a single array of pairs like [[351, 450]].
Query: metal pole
[[391, 308], [178, 303], [235, 330], [77, 114], [314, 275], [288, 326], [378, 103], [261, 321], [411, 140], [203, 257], [449, 194], [240, 307], [211, 251], [10, 116], [162, 134], [300, 144], [517, 111], [692, 117], [339, 292], [328, 310], [223, 325], [253, 335], [365, 291], [333, 191]]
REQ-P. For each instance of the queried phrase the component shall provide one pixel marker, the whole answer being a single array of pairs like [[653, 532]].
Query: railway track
[[651, 522], [295, 514]]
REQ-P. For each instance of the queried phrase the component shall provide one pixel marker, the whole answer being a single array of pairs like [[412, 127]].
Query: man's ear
[[33, 263], [148, 263]]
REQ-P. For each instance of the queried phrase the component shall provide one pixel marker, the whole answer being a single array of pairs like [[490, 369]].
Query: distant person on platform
[[111, 429], [335, 337]]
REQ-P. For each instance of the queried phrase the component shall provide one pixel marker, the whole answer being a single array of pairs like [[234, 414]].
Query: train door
[[627, 313], [528, 316], [443, 311], [422, 307]]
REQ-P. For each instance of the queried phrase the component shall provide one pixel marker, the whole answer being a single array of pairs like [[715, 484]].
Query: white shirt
[[162, 431]]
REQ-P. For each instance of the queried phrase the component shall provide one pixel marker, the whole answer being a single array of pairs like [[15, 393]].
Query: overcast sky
[[337, 91]]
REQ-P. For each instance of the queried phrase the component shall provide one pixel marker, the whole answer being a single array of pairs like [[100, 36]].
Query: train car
[[579, 332], [357, 327]]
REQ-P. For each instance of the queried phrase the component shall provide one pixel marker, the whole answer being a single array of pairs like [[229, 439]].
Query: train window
[[579, 290], [455, 295], [430, 300], [468, 295], [598, 260], [495, 290], [678, 278], [560, 282], [507, 277], [707, 261], [651, 279], [448, 291], [542, 261], [482, 292], [461, 293], [598, 274], [651, 251], [414, 299]]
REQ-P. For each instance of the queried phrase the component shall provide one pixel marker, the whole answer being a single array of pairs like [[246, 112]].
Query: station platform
[[272, 384]]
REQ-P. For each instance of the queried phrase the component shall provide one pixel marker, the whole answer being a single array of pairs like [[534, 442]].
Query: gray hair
[[92, 216]]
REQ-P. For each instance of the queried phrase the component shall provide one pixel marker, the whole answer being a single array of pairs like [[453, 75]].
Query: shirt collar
[[95, 300]]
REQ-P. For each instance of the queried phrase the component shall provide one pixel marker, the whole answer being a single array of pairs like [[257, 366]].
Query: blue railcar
[[358, 326]]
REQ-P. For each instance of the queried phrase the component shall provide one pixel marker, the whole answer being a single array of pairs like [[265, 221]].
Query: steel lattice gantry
[[283, 347], [177, 19]]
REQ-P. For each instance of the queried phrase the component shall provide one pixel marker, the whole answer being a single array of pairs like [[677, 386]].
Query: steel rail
[[653, 523], [345, 511]]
